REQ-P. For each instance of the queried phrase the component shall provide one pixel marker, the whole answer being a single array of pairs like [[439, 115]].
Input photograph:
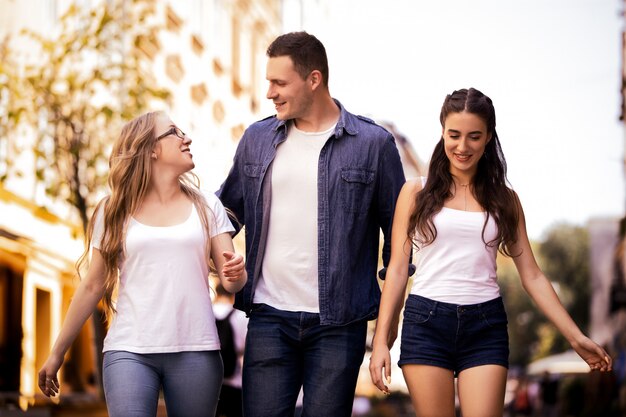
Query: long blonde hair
[[129, 177]]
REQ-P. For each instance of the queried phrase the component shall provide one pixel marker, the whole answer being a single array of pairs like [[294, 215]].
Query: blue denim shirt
[[359, 178]]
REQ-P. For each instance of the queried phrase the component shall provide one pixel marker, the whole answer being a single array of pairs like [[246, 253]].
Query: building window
[[236, 132], [218, 111], [218, 68], [197, 45], [199, 93], [149, 44], [172, 21], [174, 68]]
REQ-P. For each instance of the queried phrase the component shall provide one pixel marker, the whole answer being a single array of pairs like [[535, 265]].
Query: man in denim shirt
[[313, 186]]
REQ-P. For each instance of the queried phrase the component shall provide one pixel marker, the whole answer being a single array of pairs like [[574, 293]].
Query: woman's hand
[[234, 267], [48, 381], [380, 359], [593, 354], [230, 265]]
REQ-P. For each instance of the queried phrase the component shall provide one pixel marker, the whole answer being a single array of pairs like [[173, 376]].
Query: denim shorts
[[455, 337]]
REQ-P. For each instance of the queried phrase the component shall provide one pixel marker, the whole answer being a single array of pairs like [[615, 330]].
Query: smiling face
[[292, 95], [172, 149], [465, 137]]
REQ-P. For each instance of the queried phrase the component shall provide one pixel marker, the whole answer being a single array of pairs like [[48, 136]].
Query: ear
[[489, 135], [156, 151], [315, 79]]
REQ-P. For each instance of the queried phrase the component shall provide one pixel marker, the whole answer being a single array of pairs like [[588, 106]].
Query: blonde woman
[[151, 241]]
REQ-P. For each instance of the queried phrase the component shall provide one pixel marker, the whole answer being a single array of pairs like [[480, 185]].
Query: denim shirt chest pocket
[[252, 173], [357, 187]]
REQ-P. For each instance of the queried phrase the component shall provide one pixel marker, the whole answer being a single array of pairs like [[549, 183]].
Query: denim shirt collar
[[345, 123]]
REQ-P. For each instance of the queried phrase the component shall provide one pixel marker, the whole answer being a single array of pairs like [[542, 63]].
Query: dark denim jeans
[[288, 350]]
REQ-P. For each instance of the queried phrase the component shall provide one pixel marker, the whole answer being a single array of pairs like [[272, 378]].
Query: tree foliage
[[565, 259], [523, 316], [73, 94], [563, 255]]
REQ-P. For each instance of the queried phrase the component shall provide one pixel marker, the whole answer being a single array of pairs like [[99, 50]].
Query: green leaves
[[69, 103], [563, 255]]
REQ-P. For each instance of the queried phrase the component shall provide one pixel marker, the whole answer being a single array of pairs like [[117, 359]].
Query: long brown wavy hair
[[491, 186], [129, 177]]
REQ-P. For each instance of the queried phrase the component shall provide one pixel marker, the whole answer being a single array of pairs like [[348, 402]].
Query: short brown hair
[[305, 50]]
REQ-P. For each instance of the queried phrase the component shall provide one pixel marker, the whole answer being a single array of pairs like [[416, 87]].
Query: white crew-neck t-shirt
[[163, 303], [289, 275]]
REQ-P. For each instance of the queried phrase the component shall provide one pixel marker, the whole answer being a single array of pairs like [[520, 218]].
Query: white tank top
[[458, 267]]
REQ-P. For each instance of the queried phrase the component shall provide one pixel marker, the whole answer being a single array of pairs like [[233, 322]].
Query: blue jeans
[[191, 383], [288, 350]]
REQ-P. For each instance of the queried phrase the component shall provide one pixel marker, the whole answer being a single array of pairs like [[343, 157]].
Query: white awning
[[567, 362]]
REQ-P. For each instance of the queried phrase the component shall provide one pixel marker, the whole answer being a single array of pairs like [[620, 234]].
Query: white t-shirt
[[289, 276], [458, 267], [163, 303]]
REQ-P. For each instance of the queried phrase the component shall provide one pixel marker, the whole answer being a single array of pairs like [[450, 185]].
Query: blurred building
[[615, 288], [413, 165], [607, 320], [617, 297], [37, 253], [211, 55], [608, 269]]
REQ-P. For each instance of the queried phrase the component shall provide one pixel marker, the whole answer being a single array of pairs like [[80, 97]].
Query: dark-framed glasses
[[173, 131]]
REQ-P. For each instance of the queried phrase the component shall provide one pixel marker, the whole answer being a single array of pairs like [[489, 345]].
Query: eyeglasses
[[173, 131]]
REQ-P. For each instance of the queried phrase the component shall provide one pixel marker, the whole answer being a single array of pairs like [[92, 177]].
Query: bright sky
[[552, 68]]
